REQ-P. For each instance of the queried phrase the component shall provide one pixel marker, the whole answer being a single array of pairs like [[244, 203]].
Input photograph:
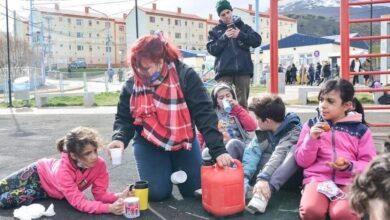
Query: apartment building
[[286, 26], [68, 35], [187, 31]]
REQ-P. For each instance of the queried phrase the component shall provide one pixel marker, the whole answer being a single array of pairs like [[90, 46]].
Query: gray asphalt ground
[[29, 134]]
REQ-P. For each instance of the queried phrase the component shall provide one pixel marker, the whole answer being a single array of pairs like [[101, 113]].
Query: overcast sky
[[117, 7]]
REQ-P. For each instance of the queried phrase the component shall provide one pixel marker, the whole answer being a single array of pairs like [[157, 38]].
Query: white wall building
[[385, 48]]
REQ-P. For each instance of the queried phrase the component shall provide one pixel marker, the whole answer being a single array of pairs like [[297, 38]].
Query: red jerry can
[[223, 189]]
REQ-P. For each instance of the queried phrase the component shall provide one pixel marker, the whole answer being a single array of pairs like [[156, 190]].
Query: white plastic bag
[[33, 211]]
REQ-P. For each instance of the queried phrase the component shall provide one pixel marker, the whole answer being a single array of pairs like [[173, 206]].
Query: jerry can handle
[[235, 162]]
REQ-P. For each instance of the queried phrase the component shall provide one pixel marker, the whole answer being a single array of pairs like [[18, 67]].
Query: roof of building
[[80, 14], [299, 40], [357, 44], [265, 14], [175, 14]]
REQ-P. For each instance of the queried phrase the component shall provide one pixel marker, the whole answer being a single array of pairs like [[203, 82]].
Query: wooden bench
[[303, 92], [88, 97]]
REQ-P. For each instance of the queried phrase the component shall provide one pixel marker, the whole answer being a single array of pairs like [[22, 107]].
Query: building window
[[152, 19], [97, 22], [79, 34], [89, 22], [60, 19], [90, 35], [185, 35], [79, 22], [97, 35], [69, 21], [185, 23], [178, 35], [200, 25], [108, 49], [69, 34], [98, 48], [90, 48], [80, 47], [61, 45], [267, 35], [121, 28], [169, 21], [151, 32], [177, 22], [200, 37], [162, 19], [70, 47]]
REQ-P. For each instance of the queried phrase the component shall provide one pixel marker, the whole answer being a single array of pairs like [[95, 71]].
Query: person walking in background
[[78, 168], [370, 190], [158, 109], [332, 147], [355, 67], [311, 72], [230, 42], [326, 71], [234, 123]]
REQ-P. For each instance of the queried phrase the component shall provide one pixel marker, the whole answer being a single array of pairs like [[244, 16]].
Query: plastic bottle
[[226, 106]]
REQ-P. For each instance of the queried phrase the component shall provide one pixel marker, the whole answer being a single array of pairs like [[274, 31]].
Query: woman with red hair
[[158, 109]]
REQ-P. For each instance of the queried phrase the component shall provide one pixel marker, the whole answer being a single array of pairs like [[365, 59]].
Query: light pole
[[108, 42], [8, 57]]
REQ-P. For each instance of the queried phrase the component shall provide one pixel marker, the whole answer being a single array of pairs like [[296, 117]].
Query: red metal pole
[[344, 36], [274, 46]]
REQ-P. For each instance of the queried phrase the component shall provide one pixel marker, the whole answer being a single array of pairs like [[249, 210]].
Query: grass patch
[[65, 101], [107, 98], [19, 104], [78, 73]]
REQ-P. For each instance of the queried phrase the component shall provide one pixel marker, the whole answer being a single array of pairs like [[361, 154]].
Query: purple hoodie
[[348, 138]]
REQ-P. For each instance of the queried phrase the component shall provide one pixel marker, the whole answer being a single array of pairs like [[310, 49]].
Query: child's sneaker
[[258, 203]]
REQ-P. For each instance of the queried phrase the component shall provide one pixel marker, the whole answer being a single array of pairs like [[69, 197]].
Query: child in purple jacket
[[331, 157]]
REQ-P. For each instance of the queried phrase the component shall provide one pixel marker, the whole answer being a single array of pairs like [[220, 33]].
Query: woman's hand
[[317, 129], [115, 144], [224, 160], [117, 207]]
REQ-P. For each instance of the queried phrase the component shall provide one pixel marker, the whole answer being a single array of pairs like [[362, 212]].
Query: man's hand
[[262, 187], [232, 32], [224, 160]]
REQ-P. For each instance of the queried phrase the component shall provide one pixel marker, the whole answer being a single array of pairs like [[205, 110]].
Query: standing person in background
[[326, 71], [158, 109], [318, 73], [311, 72], [293, 74], [230, 42], [302, 75], [355, 67], [367, 67], [331, 149]]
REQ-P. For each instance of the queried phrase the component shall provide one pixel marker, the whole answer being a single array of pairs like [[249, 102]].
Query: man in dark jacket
[[229, 42]]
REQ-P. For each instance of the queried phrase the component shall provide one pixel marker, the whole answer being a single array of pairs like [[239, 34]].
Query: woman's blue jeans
[[156, 166]]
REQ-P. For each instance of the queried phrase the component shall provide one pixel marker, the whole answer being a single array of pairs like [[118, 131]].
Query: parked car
[[79, 63], [21, 84]]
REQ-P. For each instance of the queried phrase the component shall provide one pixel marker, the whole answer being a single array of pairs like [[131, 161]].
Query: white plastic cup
[[227, 107], [116, 156], [178, 177]]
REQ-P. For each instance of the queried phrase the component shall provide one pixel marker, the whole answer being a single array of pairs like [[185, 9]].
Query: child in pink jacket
[[78, 168], [331, 149]]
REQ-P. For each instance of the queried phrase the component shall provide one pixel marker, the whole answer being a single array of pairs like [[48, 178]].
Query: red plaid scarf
[[162, 111]]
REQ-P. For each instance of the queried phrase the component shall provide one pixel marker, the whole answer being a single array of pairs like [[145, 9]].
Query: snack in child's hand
[[326, 127], [340, 162]]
